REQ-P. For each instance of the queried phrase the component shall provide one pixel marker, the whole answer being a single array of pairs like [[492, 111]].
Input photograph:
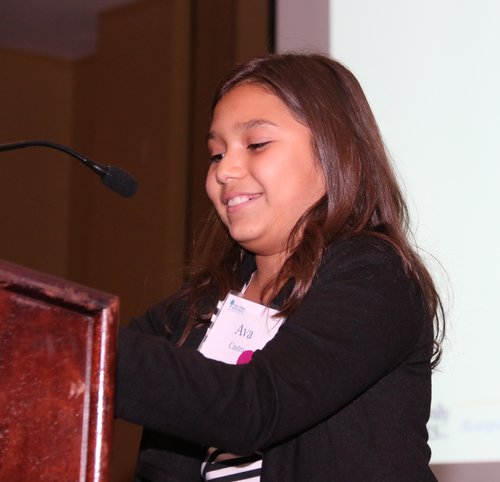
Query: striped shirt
[[223, 467]]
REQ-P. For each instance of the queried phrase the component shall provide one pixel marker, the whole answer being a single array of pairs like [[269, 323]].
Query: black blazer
[[342, 393]]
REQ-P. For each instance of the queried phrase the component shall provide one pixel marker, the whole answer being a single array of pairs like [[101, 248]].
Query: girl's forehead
[[247, 90], [251, 102]]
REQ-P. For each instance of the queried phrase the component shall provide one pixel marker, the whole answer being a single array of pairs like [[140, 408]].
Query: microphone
[[113, 177]]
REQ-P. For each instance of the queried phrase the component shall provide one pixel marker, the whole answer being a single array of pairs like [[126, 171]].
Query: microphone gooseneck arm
[[113, 177]]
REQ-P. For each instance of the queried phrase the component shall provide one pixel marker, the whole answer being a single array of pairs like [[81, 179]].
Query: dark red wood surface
[[57, 359]]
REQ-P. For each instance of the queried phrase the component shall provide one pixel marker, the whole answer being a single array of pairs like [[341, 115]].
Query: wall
[[138, 120], [36, 100], [303, 26]]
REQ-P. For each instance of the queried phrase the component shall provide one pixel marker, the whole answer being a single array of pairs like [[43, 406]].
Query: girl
[[310, 221]]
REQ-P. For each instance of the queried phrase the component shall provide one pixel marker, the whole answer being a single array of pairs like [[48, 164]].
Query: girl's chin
[[246, 240], [261, 247]]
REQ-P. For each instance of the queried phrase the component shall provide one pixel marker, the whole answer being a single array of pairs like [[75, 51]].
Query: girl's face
[[263, 173]]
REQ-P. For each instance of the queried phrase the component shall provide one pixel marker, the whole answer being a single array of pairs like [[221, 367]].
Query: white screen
[[431, 72]]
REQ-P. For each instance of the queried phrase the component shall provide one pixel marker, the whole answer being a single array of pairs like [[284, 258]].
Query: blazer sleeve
[[361, 318]]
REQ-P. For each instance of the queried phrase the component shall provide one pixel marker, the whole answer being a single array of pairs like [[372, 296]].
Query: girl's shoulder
[[361, 250], [161, 318], [371, 264]]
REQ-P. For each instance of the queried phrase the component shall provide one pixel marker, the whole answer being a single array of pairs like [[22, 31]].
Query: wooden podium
[[57, 361]]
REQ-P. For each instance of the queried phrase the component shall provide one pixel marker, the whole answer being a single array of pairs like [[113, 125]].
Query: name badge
[[238, 328]]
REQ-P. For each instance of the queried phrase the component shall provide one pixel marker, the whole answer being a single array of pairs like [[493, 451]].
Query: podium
[[57, 362]]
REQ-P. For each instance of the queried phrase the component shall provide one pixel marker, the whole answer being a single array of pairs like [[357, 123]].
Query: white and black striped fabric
[[223, 467]]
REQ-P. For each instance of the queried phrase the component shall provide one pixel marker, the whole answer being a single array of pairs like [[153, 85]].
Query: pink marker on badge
[[245, 357]]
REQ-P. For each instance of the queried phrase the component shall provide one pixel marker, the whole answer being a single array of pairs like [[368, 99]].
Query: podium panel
[[57, 360]]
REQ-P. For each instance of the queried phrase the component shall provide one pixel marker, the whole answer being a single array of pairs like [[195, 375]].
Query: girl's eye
[[257, 146], [216, 157]]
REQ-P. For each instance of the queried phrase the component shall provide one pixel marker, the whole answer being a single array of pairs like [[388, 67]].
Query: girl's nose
[[228, 168]]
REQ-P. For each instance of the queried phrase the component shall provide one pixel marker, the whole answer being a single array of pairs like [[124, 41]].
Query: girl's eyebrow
[[241, 126], [254, 123]]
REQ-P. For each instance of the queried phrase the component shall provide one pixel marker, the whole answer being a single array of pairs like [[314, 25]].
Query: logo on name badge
[[236, 307]]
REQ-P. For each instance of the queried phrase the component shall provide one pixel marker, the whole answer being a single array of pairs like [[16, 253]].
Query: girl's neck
[[267, 269]]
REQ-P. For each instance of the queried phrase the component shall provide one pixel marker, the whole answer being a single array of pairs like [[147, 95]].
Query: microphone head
[[120, 181]]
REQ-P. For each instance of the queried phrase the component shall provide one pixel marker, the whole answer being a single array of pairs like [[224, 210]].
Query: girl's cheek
[[210, 186]]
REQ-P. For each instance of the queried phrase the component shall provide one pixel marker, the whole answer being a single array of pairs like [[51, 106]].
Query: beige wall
[[36, 102], [136, 118]]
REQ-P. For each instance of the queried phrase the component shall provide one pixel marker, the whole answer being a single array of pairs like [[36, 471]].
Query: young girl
[[310, 221]]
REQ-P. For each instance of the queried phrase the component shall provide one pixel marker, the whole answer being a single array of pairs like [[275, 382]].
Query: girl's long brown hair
[[362, 194]]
